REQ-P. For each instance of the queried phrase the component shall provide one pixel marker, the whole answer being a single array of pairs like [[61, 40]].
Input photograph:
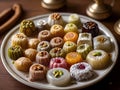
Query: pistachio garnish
[[97, 54], [57, 73]]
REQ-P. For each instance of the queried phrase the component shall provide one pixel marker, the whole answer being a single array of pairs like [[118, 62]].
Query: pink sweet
[[58, 62]]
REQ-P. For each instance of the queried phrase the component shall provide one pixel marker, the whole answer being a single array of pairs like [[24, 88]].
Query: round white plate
[[23, 77]]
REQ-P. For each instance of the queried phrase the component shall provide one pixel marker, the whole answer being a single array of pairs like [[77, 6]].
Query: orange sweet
[[71, 36], [73, 57]]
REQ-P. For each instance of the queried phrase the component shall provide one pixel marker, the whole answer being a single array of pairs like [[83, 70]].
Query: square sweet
[[85, 38]]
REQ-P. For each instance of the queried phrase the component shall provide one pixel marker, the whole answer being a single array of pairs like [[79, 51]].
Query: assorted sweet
[[56, 42], [55, 18], [23, 64], [73, 57], [57, 52], [57, 62], [69, 46], [91, 27], [27, 27], [57, 30], [44, 35], [30, 53], [37, 72], [42, 25], [81, 71], [102, 42], [75, 18], [43, 46], [43, 58], [71, 36], [70, 27], [83, 50], [33, 42], [58, 76], [84, 38], [14, 52], [19, 39], [98, 59]]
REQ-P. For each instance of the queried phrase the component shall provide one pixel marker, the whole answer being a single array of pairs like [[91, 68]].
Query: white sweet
[[102, 42], [63, 80], [84, 38]]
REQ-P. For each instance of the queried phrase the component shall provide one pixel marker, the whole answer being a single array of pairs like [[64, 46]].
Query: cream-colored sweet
[[98, 59], [19, 39], [84, 38], [33, 42]]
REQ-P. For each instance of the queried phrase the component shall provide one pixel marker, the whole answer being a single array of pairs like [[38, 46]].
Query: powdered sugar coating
[[81, 74]]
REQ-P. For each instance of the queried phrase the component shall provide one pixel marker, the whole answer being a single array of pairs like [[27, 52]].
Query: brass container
[[99, 10], [53, 4], [117, 27]]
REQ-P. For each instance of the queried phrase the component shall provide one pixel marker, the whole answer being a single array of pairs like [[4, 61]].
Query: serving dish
[[23, 77]]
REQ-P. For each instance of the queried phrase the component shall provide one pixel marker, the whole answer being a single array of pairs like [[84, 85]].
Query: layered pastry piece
[[73, 57], [43, 58], [37, 72], [43, 46], [75, 18], [81, 71], [27, 27], [91, 27], [55, 18], [69, 46], [58, 76], [57, 62], [57, 52], [57, 30], [102, 42], [19, 39], [23, 64], [30, 53], [70, 27], [44, 35], [71, 36], [42, 25], [33, 43], [83, 50], [98, 59], [84, 38], [56, 42]]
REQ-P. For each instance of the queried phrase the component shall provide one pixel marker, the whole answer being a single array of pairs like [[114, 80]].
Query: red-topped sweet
[[58, 62]]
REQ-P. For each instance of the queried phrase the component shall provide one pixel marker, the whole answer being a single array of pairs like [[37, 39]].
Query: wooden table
[[33, 8]]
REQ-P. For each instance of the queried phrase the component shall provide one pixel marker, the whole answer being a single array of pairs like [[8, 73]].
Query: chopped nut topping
[[55, 16], [101, 39], [57, 73], [37, 68]]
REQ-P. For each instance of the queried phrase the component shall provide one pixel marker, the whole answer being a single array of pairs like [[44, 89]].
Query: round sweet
[[74, 18], [19, 39], [37, 72], [69, 46], [55, 18], [43, 58], [30, 53], [58, 76], [33, 42], [98, 59], [42, 25], [56, 42], [73, 57], [23, 64], [27, 27], [83, 50], [57, 62], [91, 27], [57, 52], [70, 27], [14, 52], [81, 71], [57, 30], [43, 46], [44, 35], [71, 36]]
